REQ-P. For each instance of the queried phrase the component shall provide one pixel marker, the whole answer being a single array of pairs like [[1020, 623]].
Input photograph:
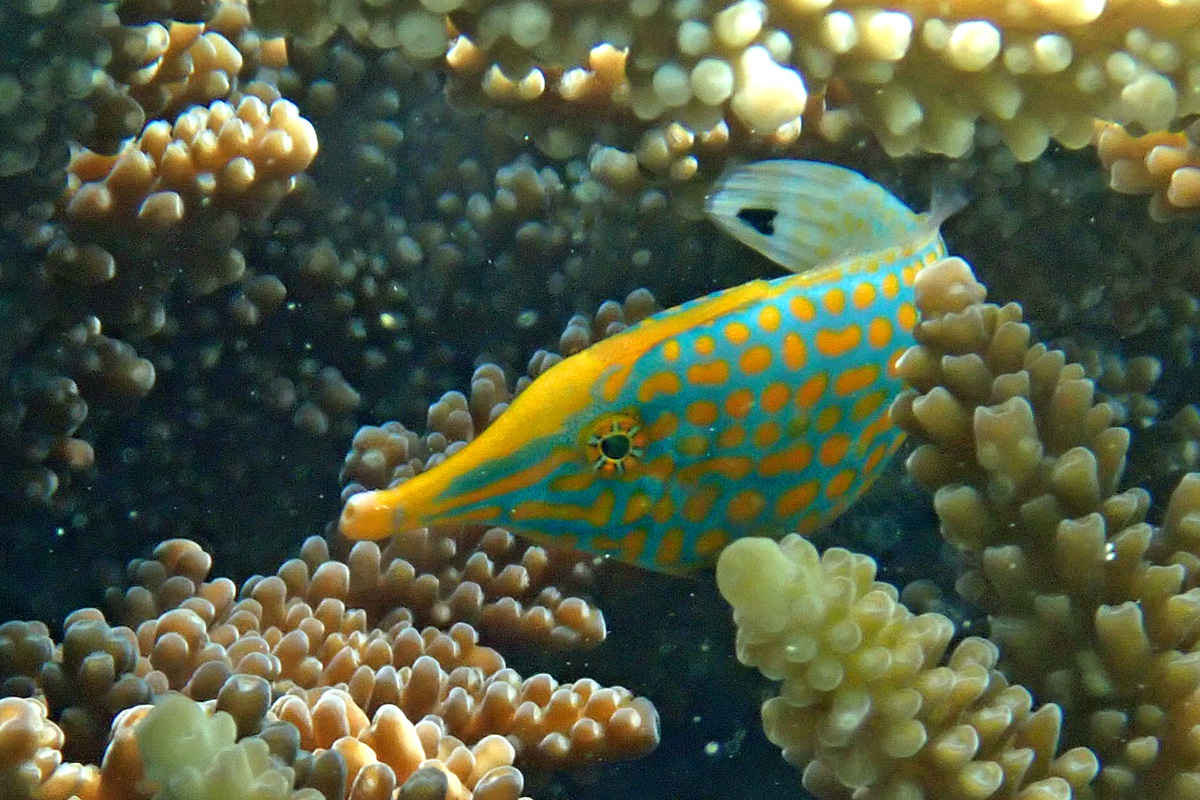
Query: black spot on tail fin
[[761, 219]]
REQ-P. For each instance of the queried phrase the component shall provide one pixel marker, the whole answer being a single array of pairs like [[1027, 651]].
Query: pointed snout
[[370, 515]]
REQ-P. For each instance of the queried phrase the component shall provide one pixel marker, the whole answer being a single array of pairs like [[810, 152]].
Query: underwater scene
[[596, 399]]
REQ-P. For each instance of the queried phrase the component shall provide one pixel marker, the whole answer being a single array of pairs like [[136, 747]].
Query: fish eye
[[761, 219], [615, 443]]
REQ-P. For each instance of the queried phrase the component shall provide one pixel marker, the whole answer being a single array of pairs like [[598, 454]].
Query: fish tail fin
[[801, 214]]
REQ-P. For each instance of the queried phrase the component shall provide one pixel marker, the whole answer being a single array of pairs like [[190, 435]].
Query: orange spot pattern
[[638, 506], [711, 542], [863, 295], [795, 354], [662, 428], [873, 429], [659, 383], [709, 373], [873, 458], [755, 360], [767, 434], [775, 397], [732, 468], [808, 523], [738, 403], [628, 547], [670, 547], [855, 379], [697, 507], [867, 405], [839, 483], [833, 449], [790, 459], [732, 436], [663, 510], [835, 301], [828, 418], [745, 506], [838, 443], [879, 333], [661, 467], [802, 308], [812, 389], [737, 333], [836, 343], [702, 413], [769, 319], [796, 499]]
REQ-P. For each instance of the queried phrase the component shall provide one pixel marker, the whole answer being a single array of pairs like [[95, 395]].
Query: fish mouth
[[372, 515]]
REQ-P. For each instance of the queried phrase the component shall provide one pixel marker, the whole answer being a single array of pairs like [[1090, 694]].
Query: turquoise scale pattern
[[718, 490]]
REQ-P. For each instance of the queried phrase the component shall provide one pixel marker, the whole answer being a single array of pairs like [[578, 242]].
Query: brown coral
[[1093, 607], [864, 705], [1163, 164], [292, 648]]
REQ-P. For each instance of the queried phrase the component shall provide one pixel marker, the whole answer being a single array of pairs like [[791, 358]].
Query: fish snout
[[368, 515]]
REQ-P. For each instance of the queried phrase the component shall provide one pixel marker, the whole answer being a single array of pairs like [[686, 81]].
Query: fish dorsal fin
[[801, 214]]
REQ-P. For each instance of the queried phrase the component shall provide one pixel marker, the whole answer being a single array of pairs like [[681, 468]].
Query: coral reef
[[318, 660], [690, 77], [865, 702], [1082, 593], [1092, 609], [1164, 164], [199, 307]]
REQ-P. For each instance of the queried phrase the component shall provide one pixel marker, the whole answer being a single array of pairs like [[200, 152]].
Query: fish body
[[757, 409]]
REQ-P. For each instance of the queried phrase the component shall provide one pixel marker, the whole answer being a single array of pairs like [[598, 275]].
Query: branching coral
[[200, 173], [864, 705], [191, 179], [1092, 607], [1163, 164], [920, 76], [318, 646]]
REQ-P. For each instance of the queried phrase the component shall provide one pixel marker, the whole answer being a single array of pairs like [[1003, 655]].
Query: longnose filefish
[[760, 408]]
